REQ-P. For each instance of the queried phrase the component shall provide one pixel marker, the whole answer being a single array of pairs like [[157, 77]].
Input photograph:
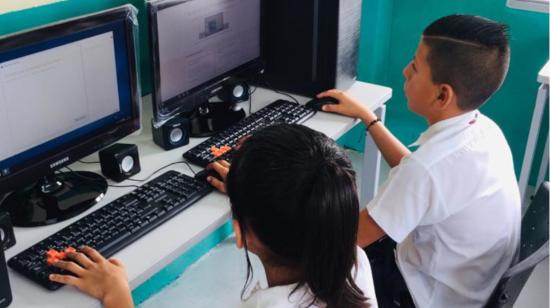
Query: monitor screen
[[196, 45], [65, 91]]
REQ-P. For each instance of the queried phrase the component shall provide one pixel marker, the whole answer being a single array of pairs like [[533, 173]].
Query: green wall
[[389, 35]]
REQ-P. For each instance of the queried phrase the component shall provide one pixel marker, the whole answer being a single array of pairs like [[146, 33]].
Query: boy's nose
[[406, 70]]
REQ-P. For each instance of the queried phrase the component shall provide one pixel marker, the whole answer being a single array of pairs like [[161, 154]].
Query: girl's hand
[[222, 168], [103, 279]]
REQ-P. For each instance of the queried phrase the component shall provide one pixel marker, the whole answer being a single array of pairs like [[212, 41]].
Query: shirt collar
[[447, 126]]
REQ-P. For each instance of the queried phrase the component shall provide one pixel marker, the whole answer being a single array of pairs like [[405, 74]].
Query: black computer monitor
[[196, 46], [66, 91]]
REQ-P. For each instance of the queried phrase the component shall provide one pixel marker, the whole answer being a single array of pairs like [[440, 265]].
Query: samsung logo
[[59, 162]]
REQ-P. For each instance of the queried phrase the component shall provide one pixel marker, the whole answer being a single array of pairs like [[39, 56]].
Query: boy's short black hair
[[471, 54]]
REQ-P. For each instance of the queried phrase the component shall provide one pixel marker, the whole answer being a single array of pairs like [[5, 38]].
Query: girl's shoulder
[[362, 275], [279, 297], [284, 297]]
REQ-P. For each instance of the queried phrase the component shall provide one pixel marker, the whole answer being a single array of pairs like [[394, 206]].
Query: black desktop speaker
[[7, 236], [5, 289], [119, 161], [172, 134], [310, 45], [234, 91]]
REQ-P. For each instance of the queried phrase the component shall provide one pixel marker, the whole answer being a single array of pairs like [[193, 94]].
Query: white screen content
[[50, 93], [202, 39]]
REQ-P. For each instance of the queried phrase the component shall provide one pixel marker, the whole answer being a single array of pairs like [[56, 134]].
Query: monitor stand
[[54, 198], [210, 118]]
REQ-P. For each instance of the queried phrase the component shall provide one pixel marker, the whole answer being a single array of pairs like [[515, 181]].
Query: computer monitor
[[196, 46], [66, 91]]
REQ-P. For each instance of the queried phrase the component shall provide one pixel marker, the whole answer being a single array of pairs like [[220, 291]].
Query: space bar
[[109, 248]]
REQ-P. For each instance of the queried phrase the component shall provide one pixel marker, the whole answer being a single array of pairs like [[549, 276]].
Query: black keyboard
[[116, 225], [220, 146]]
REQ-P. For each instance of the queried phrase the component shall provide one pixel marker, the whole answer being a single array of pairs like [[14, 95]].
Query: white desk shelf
[[536, 122]]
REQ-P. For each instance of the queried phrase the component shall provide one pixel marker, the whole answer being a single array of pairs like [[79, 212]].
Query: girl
[[294, 204]]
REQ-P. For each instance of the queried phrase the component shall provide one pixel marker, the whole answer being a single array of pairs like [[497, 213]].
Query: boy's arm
[[392, 149], [368, 231]]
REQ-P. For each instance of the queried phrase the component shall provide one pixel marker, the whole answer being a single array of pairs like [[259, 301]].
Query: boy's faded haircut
[[471, 54]]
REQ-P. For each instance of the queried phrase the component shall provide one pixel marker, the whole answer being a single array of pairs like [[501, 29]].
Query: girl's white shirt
[[281, 297]]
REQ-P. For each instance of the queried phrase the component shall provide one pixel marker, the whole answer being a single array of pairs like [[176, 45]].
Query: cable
[[189, 166], [154, 172], [135, 180], [250, 100], [288, 95], [88, 162], [282, 93], [92, 179], [122, 186]]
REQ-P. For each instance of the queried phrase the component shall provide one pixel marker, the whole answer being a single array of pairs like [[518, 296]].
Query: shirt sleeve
[[404, 200]]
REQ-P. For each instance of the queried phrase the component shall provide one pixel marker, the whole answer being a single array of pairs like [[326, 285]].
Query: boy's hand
[[346, 105], [101, 278], [222, 168]]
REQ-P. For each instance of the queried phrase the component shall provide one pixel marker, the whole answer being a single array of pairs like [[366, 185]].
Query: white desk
[[536, 122], [160, 247]]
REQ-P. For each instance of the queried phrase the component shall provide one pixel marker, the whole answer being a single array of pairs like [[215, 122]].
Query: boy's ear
[[446, 96], [238, 234]]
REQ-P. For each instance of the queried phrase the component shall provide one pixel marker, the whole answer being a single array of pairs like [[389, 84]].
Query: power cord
[[281, 92], [88, 162], [159, 169], [92, 179], [250, 99]]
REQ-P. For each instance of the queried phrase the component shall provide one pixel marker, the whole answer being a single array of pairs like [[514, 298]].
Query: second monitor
[[196, 46]]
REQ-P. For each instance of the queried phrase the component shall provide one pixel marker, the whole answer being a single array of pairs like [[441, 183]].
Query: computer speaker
[[5, 289], [7, 236], [119, 161], [172, 134], [234, 91]]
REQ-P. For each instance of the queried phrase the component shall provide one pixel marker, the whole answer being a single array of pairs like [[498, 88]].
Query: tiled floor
[[216, 280]]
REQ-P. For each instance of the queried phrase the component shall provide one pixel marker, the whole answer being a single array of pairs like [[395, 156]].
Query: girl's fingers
[[81, 259], [220, 169], [115, 261], [219, 185], [65, 279], [224, 163], [92, 253], [69, 266]]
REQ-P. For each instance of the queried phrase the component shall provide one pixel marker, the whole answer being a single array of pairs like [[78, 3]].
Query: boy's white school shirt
[[453, 207], [280, 297]]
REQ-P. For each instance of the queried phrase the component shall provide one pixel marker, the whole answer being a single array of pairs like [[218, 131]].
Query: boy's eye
[[413, 66]]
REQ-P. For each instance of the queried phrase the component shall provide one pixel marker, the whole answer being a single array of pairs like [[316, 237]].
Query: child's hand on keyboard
[[104, 279], [222, 168]]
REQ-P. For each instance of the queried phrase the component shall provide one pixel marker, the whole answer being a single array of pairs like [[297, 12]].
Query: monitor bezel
[[48, 162], [165, 110]]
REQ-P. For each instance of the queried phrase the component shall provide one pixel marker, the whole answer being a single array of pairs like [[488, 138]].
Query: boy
[[452, 205]]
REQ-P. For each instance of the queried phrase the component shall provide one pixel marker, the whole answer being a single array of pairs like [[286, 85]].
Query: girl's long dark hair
[[295, 189]]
